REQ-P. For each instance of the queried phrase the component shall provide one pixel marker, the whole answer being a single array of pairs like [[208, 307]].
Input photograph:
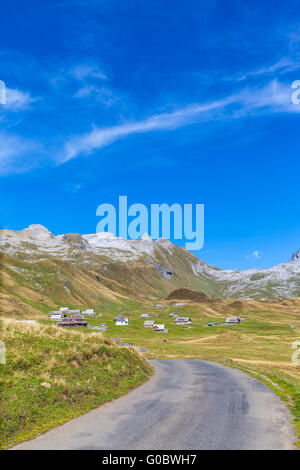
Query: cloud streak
[[16, 153], [273, 98], [17, 100], [282, 66], [84, 71], [254, 254], [99, 138]]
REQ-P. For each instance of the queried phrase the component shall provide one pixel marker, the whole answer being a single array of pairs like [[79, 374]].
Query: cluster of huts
[[161, 327], [177, 304], [229, 321], [68, 317]]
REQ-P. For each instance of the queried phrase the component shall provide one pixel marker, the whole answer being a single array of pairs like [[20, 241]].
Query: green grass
[[83, 371]]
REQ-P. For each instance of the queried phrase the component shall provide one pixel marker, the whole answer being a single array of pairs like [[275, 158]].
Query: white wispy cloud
[[86, 91], [280, 67], [17, 154], [98, 138], [100, 94], [254, 254], [18, 100], [89, 81], [273, 98], [94, 85], [83, 74], [84, 71]]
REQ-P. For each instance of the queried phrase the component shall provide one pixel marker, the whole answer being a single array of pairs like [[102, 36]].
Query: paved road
[[186, 405]]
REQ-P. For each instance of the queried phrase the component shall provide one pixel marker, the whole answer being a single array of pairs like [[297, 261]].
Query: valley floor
[[261, 346]]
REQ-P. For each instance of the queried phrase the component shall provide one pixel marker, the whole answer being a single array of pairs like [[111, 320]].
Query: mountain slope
[[40, 270], [91, 270], [278, 282]]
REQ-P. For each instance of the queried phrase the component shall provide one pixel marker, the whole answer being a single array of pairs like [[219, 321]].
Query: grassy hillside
[[188, 295], [31, 284], [74, 269], [47, 284], [53, 375]]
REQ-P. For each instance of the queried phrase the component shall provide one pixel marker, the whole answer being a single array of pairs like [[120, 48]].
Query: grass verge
[[52, 375]]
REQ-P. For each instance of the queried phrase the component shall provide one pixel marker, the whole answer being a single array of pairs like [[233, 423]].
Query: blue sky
[[162, 101]]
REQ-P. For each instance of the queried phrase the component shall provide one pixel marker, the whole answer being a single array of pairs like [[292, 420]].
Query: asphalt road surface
[[186, 405]]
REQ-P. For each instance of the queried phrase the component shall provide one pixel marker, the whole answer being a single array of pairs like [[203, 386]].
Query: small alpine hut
[[182, 321], [149, 323], [73, 320]]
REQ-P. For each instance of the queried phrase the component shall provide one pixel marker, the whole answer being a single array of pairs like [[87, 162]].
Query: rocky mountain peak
[[38, 231], [296, 256], [37, 227], [146, 237]]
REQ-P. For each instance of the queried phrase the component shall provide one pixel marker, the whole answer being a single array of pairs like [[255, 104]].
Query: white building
[[159, 328], [57, 316], [89, 312], [182, 321], [121, 321], [231, 321]]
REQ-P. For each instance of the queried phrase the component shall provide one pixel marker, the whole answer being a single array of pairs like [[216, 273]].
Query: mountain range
[[40, 269]]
